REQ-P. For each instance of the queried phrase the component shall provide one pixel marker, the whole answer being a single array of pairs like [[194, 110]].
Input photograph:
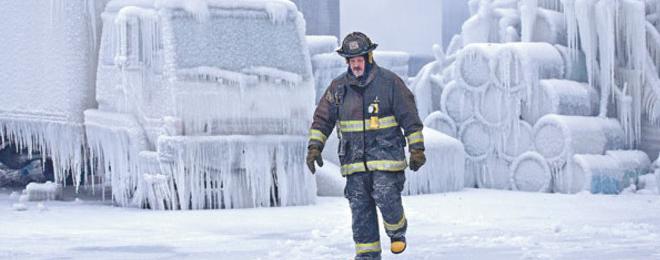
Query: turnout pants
[[365, 191]]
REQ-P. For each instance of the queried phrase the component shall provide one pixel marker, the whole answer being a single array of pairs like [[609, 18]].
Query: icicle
[[256, 172], [528, 9], [57, 11], [606, 30], [652, 92], [584, 11], [571, 27], [63, 142], [554, 5]]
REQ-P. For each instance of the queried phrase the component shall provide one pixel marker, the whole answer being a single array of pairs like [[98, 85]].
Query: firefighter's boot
[[398, 246]]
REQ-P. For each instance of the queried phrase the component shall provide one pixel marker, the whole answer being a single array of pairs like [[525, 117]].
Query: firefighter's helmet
[[356, 44]]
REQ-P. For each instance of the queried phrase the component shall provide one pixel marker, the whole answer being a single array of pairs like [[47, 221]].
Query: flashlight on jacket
[[373, 115]]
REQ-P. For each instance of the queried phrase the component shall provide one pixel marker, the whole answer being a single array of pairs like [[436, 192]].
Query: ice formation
[[530, 172], [441, 122], [577, 58], [609, 173], [444, 170], [396, 61], [329, 181], [47, 78], [182, 126], [566, 97], [43, 191]]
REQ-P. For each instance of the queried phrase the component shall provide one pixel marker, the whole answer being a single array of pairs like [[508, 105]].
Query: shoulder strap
[[339, 94]]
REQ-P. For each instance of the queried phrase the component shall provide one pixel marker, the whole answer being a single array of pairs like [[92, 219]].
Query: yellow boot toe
[[398, 247]]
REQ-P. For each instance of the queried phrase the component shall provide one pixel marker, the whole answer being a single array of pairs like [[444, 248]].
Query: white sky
[[396, 25]]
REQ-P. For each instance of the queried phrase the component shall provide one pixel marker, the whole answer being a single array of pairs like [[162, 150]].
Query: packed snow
[[471, 224]]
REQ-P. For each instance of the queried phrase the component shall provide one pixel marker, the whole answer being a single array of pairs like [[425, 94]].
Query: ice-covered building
[[533, 88], [203, 104], [47, 74]]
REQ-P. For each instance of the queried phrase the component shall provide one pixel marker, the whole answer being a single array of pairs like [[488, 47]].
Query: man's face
[[357, 65]]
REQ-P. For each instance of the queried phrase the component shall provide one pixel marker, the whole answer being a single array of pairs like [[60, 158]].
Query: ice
[[319, 44], [550, 27], [634, 163], [555, 5], [43, 191], [238, 181], [647, 182], [116, 140], [477, 139], [455, 45], [63, 142], [558, 137], [478, 143], [566, 97], [326, 67], [396, 61], [181, 82], [427, 87], [575, 67], [605, 28], [496, 107], [473, 65], [609, 173], [528, 18], [495, 173], [457, 102], [492, 86], [49, 58], [509, 22], [530, 172], [277, 10], [651, 92], [329, 182], [519, 67], [517, 141], [441, 122], [478, 28], [657, 179], [444, 170]]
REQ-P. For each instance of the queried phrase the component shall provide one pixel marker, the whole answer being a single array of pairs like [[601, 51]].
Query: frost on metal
[[203, 104], [48, 61]]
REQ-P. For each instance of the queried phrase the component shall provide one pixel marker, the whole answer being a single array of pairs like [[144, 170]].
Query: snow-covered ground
[[471, 224]]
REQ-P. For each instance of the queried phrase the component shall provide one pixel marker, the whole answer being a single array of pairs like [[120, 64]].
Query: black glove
[[313, 154], [417, 159]]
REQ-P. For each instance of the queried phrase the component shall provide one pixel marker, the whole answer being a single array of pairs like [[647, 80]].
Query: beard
[[357, 71]]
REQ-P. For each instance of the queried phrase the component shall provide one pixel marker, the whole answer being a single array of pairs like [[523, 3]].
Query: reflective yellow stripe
[[415, 137], [358, 125], [363, 248], [397, 226], [381, 165], [317, 135]]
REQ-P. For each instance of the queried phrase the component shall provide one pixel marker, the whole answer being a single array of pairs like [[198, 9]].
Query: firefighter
[[375, 115]]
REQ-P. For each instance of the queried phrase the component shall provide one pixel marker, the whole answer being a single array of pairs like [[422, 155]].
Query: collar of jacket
[[371, 74]]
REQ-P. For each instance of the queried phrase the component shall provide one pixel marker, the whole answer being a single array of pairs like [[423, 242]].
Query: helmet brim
[[351, 55]]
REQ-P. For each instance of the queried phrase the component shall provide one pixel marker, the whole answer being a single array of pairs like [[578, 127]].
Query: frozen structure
[[48, 63], [203, 104], [43, 191], [541, 91]]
